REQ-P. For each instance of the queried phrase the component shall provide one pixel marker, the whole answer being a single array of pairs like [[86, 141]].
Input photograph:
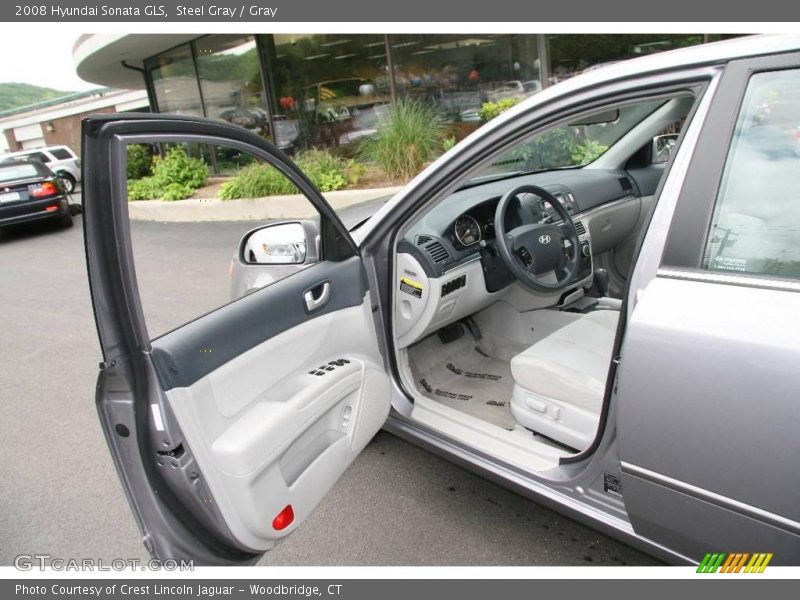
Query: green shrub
[[175, 177], [139, 160], [489, 110], [255, 181], [410, 137], [143, 189], [326, 171], [587, 151], [448, 143]]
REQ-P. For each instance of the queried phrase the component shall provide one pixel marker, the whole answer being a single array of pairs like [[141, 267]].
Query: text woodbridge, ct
[[183, 589]]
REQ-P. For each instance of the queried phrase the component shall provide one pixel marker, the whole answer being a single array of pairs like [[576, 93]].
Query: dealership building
[[333, 89]]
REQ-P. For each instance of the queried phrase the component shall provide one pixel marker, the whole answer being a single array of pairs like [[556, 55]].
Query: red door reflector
[[284, 518]]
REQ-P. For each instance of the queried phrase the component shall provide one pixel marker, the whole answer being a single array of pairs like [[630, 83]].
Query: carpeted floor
[[462, 375]]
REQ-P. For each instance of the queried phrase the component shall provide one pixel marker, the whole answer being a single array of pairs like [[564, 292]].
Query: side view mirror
[[276, 244], [663, 146]]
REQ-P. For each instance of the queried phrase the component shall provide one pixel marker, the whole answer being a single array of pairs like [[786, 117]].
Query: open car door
[[227, 431]]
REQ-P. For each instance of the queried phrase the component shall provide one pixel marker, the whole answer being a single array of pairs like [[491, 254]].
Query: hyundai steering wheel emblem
[[544, 239]]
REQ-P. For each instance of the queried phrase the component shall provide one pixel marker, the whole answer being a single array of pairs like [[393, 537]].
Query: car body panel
[[711, 357]]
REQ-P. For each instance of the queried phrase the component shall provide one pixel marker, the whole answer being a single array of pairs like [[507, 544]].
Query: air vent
[[437, 252], [580, 228], [423, 239], [626, 183]]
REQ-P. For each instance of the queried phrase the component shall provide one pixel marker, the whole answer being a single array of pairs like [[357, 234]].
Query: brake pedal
[[473, 328], [450, 333]]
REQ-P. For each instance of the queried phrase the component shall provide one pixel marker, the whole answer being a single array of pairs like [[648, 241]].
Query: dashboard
[[453, 230], [447, 259]]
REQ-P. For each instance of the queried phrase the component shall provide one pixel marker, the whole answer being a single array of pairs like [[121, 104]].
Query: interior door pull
[[317, 297]]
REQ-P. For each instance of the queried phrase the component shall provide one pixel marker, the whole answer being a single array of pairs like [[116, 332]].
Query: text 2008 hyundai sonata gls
[[611, 332]]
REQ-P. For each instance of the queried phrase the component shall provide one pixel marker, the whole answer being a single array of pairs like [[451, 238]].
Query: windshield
[[12, 172], [569, 145]]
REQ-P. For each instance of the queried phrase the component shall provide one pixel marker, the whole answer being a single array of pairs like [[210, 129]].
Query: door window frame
[[115, 242], [691, 222]]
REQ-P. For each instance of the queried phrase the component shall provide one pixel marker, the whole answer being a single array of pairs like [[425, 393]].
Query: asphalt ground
[[59, 492]]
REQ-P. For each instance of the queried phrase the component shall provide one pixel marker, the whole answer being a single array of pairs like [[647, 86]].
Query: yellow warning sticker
[[409, 286]]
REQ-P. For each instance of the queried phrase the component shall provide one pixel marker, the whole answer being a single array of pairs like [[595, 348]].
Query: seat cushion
[[571, 364]]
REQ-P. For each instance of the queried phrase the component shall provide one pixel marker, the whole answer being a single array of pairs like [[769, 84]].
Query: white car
[[61, 160]]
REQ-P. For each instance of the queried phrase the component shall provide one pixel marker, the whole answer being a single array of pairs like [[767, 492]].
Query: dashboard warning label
[[409, 286]]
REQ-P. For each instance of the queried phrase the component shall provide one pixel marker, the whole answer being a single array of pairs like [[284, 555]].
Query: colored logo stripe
[[733, 563]]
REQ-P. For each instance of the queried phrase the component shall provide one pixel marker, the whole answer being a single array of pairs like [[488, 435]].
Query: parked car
[[613, 336], [29, 191], [61, 160], [514, 89]]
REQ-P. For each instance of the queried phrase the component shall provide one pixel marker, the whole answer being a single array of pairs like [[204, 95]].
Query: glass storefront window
[[458, 73], [328, 90], [230, 78], [572, 54], [334, 90], [175, 82]]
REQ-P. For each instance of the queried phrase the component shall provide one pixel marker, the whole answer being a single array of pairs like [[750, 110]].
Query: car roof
[[41, 149]]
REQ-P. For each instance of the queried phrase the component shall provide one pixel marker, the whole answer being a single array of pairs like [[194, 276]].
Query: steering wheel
[[533, 250]]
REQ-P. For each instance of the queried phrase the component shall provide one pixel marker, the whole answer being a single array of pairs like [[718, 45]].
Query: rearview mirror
[[663, 146], [608, 116], [276, 244]]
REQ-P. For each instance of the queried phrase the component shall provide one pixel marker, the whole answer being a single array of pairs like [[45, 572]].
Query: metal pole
[[390, 66], [544, 59]]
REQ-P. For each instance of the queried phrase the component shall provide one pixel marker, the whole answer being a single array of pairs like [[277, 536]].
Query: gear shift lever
[[601, 282]]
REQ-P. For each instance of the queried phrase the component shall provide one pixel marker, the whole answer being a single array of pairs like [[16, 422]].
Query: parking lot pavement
[[60, 494]]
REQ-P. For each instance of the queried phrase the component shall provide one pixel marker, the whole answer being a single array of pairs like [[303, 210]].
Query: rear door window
[[756, 224], [61, 153], [14, 172]]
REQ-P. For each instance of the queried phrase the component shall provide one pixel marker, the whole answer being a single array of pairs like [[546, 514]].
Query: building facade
[[58, 121], [331, 90]]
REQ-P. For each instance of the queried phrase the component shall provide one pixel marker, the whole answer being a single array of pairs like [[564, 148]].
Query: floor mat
[[462, 376]]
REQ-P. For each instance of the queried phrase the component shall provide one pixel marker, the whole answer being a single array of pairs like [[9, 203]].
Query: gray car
[[551, 304]]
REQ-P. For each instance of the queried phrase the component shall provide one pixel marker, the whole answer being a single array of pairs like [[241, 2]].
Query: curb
[[295, 206]]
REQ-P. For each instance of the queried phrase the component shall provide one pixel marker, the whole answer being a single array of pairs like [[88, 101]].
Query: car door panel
[[231, 328], [222, 424], [710, 357], [268, 432], [719, 392]]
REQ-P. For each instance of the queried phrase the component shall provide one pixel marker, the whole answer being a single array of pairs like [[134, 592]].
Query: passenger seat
[[560, 381]]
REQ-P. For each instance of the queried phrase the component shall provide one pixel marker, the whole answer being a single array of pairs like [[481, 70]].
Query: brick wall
[[67, 130]]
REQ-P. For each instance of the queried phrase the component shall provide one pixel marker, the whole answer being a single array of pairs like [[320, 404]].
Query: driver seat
[[560, 381]]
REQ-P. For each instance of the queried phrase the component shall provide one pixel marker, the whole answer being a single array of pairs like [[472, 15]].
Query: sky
[[51, 66]]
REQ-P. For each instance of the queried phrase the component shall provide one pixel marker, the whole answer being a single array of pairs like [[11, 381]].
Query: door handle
[[318, 296]]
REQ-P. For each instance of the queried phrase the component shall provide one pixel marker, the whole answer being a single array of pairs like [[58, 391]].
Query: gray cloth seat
[[560, 381]]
